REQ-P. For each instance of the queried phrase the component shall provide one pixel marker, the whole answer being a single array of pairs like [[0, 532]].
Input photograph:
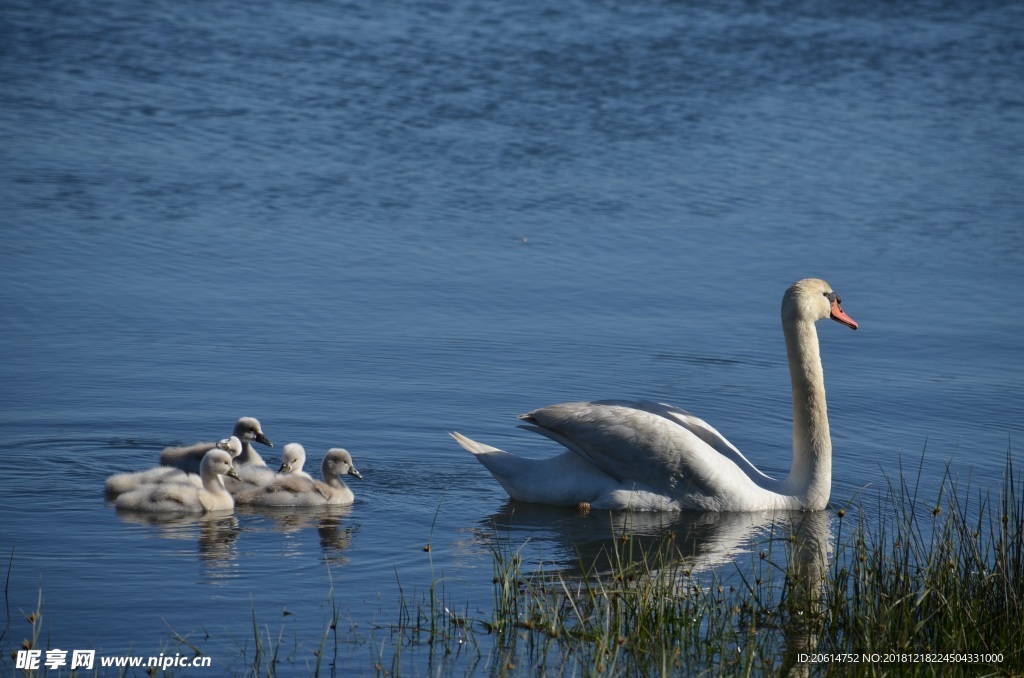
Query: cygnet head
[[217, 462], [293, 457], [337, 463], [813, 299], [248, 429], [232, 446]]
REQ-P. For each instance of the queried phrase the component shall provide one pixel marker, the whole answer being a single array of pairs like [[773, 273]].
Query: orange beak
[[839, 315]]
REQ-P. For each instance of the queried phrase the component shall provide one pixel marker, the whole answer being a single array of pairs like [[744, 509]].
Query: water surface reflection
[[706, 540]]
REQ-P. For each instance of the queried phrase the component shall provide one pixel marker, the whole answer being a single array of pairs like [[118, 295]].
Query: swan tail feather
[[564, 480], [471, 445]]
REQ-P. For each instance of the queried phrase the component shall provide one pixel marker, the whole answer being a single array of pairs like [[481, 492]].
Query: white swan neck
[[335, 481], [810, 477], [214, 483], [249, 455]]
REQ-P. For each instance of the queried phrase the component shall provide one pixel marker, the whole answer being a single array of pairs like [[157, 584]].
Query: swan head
[[232, 446], [813, 299], [217, 462], [293, 457], [338, 462], [249, 429]]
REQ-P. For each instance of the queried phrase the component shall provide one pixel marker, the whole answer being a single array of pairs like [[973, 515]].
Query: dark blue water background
[[369, 223]]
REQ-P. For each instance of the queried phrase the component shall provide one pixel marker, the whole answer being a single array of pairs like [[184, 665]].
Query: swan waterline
[[648, 456]]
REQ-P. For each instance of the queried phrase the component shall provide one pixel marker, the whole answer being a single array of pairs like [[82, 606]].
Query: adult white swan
[[654, 457]]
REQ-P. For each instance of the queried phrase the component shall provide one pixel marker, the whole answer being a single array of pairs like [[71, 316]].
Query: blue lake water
[[370, 223]]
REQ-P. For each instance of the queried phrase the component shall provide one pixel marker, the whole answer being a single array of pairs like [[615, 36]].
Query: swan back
[[285, 490], [120, 483], [647, 449]]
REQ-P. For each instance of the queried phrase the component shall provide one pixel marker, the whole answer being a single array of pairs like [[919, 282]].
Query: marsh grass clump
[[430, 624], [935, 578], [651, 612], [933, 587]]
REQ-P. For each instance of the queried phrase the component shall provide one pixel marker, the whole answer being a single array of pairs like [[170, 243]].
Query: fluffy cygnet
[[185, 497], [293, 458], [119, 483], [188, 458], [293, 490]]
